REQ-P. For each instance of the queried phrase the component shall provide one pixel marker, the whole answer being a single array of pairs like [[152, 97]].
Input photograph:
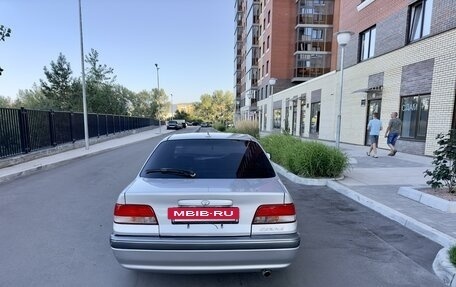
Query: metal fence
[[23, 131]]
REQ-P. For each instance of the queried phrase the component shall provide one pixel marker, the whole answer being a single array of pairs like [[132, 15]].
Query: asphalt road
[[55, 227]]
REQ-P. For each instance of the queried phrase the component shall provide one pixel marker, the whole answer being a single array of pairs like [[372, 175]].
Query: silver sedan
[[205, 202]]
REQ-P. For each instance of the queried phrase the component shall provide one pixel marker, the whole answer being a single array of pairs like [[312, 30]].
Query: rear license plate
[[203, 214]]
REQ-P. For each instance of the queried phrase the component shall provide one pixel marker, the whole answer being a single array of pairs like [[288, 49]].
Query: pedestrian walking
[[393, 132], [374, 127]]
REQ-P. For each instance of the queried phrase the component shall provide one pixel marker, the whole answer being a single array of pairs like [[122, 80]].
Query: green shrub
[[278, 146], [307, 159], [219, 126], [246, 127], [444, 173], [452, 253]]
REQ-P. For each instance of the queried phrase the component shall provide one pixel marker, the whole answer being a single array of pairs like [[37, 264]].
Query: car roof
[[210, 135]]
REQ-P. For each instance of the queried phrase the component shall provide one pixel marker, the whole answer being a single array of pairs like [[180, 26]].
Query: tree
[[203, 109], [223, 106], [33, 98], [59, 84], [98, 73], [181, 115], [5, 102], [140, 104], [159, 105], [4, 33], [103, 96], [218, 107]]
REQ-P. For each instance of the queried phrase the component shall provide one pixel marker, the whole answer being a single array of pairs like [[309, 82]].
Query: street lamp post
[[172, 114], [272, 82], [158, 95], [84, 97], [343, 38]]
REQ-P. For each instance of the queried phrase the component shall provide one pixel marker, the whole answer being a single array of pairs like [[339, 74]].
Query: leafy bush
[[453, 255], [219, 126], [307, 159], [444, 173], [246, 127]]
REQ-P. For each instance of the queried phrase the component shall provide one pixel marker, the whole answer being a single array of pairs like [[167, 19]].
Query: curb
[[428, 199], [407, 221], [297, 179], [444, 269], [47, 166]]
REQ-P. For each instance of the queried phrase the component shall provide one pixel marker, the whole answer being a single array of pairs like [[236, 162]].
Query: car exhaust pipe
[[266, 273]]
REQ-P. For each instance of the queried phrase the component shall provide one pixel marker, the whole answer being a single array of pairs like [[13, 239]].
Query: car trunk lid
[[205, 207]]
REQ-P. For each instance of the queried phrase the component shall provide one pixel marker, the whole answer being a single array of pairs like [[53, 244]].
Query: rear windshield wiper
[[176, 171]]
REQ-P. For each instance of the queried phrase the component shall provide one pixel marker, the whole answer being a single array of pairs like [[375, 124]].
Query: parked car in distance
[[204, 125], [205, 203], [182, 123], [173, 125]]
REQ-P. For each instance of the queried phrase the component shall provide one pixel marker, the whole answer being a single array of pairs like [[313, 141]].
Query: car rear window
[[217, 158]]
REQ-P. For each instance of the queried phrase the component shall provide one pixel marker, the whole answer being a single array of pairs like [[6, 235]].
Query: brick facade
[[396, 71]]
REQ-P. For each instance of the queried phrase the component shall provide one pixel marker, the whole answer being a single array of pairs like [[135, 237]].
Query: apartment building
[[246, 50], [279, 43], [401, 58]]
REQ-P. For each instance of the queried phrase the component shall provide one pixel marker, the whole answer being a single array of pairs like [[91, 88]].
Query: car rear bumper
[[206, 254]]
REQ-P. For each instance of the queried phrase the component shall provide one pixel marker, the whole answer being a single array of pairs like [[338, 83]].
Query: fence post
[[113, 125], [52, 131], [71, 119], [98, 126], [24, 130]]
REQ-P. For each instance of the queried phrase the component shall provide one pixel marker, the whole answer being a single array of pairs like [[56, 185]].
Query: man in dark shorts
[[392, 132]]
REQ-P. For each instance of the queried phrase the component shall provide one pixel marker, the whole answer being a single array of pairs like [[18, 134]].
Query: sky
[[192, 41]]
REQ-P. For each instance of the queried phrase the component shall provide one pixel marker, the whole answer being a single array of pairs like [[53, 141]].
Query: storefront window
[[295, 117], [414, 115], [303, 116], [315, 118], [277, 118]]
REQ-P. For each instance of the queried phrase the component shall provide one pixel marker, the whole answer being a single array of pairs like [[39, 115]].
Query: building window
[[453, 125], [269, 16], [414, 115], [303, 117], [420, 19], [277, 118], [267, 67], [262, 70], [267, 43], [367, 45], [315, 118]]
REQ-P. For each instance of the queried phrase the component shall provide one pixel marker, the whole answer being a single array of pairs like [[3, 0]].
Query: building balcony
[[313, 46], [315, 19], [310, 72]]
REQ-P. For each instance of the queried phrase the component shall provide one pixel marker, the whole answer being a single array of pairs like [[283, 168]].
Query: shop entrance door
[[373, 106]]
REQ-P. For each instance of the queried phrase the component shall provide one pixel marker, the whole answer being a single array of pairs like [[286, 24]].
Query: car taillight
[[134, 214], [275, 213]]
